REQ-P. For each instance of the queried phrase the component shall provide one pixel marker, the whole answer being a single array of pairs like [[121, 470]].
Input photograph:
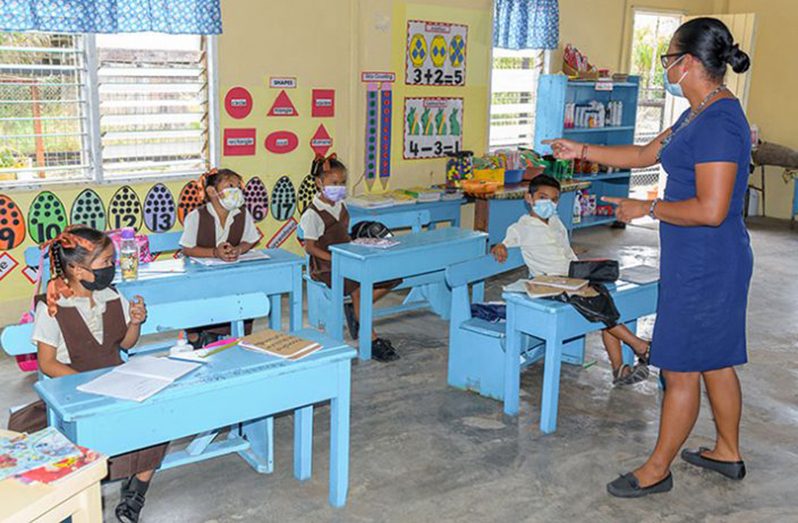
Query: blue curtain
[[526, 24], [112, 16]]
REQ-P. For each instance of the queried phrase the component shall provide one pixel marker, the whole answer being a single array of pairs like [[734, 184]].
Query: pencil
[[219, 349]]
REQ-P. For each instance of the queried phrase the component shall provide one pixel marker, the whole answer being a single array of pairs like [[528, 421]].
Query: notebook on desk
[[252, 255], [279, 344], [139, 378]]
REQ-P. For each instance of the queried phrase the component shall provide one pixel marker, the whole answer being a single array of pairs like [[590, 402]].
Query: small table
[[235, 386], [555, 323], [280, 274], [443, 211], [77, 496], [418, 253]]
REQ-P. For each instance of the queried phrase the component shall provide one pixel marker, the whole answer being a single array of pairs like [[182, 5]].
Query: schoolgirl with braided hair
[[80, 324]]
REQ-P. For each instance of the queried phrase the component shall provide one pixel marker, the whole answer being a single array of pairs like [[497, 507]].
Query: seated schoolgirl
[[326, 222], [222, 228], [80, 325]]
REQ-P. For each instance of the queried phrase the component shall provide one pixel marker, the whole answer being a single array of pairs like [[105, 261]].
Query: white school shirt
[[191, 227], [312, 224], [46, 329], [544, 246]]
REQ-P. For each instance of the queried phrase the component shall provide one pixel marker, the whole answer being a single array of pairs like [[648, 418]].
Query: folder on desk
[[279, 344]]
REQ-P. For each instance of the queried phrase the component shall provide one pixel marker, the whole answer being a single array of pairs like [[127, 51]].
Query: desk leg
[[366, 315], [551, 378], [276, 312], [336, 315], [512, 363], [296, 300], [303, 442], [260, 434], [339, 437]]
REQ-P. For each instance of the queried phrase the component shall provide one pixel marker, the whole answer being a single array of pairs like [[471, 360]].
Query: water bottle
[[129, 255], [577, 211]]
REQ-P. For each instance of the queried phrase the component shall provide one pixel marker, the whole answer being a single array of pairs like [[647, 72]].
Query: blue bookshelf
[[554, 91]]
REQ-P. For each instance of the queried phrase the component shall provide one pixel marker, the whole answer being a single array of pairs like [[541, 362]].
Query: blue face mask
[[544, 208], [674, 89]]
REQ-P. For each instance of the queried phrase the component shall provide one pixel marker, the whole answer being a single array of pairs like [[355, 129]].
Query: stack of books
[[279, 344], [370, 201], [424, 194]]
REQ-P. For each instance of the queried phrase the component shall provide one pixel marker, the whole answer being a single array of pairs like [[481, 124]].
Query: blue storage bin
[[513, 176]]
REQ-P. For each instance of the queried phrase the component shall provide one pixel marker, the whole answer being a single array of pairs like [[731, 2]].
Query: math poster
[[432, 127], [436, 53]]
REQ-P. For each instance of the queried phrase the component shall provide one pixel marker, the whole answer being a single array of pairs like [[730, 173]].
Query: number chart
[[436, 53], [433, 127]]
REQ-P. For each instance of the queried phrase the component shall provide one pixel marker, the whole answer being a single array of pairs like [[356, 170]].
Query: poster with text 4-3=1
[[433, 127], [436, 53]]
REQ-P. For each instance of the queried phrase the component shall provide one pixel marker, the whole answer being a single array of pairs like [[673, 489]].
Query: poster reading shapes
[[257, 199], [12, 226], [436, 53], [307, 191], [46, 217], [283, 199], [433, 127], [159, 209], [88, 209], [191, 197]]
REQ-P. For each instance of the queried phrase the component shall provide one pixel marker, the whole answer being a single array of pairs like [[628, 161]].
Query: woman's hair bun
[[738, 59]]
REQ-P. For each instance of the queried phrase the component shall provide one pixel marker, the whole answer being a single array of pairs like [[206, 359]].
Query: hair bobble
[[57, 286], [321, 163], [730, 52]]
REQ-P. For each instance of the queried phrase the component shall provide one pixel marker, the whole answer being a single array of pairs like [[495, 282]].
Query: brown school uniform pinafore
[[206, 237], [335, 232], [87, 354]]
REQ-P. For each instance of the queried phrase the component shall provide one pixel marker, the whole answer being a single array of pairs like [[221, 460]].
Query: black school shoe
[[382, 350], [351, 322], [131, 501], [731, 469], [627, 486]]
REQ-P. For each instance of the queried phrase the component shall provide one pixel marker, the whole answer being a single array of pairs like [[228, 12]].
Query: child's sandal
[[619, 375], [646, 356]]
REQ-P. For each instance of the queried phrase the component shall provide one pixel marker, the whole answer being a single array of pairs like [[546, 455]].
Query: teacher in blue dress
[[705, 252]]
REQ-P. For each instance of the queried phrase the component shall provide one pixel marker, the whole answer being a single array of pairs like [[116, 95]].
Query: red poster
[[283, 106], [321, 141], [323, 103], [238, 102], [239, 142], [281, 142]]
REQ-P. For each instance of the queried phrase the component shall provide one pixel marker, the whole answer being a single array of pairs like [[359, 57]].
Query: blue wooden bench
[[427, 290], [166, 317], [477, 346]]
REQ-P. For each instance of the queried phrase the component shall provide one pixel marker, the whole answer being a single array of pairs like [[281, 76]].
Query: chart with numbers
[[436, 53], [433, 127]]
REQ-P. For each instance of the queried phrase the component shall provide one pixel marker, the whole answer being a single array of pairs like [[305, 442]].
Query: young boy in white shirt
[[546, 250]]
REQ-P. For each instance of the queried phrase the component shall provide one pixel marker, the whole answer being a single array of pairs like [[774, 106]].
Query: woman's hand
[[628, 209], [565, 149]]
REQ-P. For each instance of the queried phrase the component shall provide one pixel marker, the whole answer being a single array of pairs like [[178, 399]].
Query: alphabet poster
[[436, 53], [432, 127]]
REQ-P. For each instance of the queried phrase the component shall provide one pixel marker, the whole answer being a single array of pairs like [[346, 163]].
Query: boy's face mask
[[231, 198], [544, 208]]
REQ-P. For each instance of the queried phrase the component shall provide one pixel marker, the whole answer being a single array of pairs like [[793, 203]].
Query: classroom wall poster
[[282, 234], [281, 142], [238, 142], [432, 127], [322, 103], [12, 224], [436, 53], [238, 102], [283, 106], [7, 264], [321, 141]]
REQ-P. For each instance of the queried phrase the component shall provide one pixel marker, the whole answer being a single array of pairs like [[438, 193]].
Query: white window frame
[[91, 92], [546, 70]]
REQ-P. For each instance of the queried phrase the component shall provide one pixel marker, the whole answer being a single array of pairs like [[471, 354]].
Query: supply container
[[129, 254]]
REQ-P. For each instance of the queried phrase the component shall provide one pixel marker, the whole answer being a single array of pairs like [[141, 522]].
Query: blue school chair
[[476, 346]]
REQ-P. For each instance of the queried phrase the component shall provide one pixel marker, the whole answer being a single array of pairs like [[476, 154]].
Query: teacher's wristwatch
[[653, 208]]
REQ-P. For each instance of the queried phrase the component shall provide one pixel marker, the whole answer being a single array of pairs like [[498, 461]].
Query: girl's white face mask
[[231, 198]]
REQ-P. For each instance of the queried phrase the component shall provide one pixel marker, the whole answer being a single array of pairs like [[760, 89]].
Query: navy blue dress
[[704, 271]]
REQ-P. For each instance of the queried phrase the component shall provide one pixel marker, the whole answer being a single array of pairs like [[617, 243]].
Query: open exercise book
[[279, 344], [252, 255], [139, 378]]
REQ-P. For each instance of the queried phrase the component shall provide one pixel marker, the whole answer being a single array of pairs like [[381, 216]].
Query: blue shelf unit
[[554, 91]]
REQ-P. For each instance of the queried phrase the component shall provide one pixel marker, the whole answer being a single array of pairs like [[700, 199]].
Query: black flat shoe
[[383, 351], [627, 486], [730, 469]]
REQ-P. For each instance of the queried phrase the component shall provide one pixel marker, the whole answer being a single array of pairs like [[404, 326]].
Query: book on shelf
[[279, 344]]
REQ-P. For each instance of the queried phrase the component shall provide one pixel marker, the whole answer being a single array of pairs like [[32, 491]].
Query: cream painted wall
[[772, 103]]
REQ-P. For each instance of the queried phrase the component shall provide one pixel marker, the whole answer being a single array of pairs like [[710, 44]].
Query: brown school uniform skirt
[[33, 417]]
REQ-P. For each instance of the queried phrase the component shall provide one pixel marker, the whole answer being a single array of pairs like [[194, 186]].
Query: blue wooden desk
[[235, 386], [281, 274], [556, 324], [444, 211], [422, 253]]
